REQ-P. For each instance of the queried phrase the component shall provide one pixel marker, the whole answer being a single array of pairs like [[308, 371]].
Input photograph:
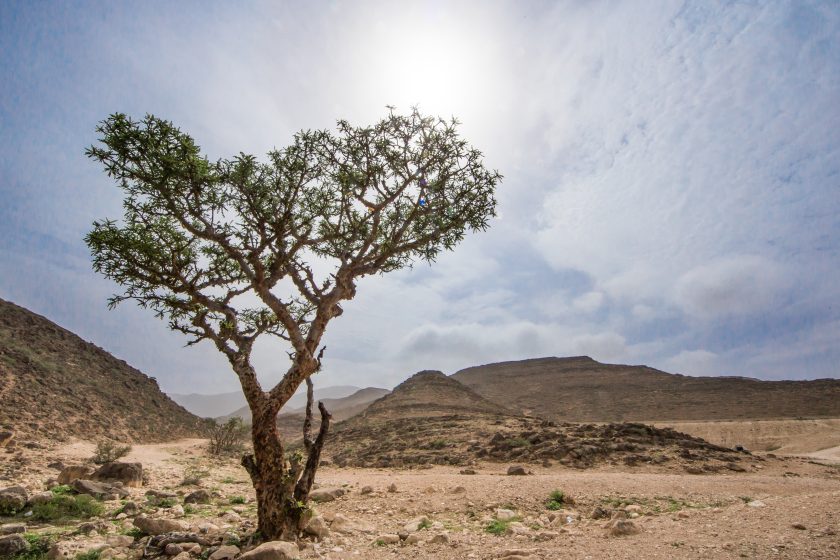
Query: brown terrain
[[54, 384], [579, 389], [441, 468]]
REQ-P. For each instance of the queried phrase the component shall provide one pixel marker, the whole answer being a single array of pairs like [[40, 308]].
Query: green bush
[[497, 527], [109, 451], [193, 475], [61, 490], [66, 506], [556, 500], [237, 500], [90, 555]]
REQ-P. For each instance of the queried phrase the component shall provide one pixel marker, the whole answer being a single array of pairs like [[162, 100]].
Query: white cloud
[[694, 362]]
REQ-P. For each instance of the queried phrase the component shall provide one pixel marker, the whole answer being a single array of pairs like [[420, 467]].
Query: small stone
[[367, 490], [119, 541], [623, 527], [326, 494], [227, 552], [440, 538], [756, 504], [799, 526], [413, 538], [516, 470], [317, 527], [130, 474], [273, 550], [70, 473], [633, 508], [505, 514], [459, 490], [599, 513], [201, 496], [173, 549], [387, 538], [157, 526], [467, 471], [177, 510], [416, 524], [392, 487]]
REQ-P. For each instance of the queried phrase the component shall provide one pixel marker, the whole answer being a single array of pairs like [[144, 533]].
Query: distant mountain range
[[54, 384]]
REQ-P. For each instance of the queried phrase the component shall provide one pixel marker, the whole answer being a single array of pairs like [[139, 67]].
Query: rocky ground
[[776, 508]]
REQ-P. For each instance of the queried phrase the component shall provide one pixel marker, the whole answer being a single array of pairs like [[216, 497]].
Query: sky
[[671, 192]]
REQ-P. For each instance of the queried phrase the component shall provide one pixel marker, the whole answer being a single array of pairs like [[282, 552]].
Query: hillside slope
[[54, 384], [579, 389]]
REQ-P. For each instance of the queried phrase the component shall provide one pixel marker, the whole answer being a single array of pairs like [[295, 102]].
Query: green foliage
[[166, 503], [555, 500], [133, 532], [424, 524], [89, 555], [61, 490], [497, 527], [228, 438], [438, 444], [39, 547], [109, 451], [378, 542], [238, 500], [518, 442], [66, 507]]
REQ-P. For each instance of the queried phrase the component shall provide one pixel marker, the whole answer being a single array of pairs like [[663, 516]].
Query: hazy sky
[[672, 172]]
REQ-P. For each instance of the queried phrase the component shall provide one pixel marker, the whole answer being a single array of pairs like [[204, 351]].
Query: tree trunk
[[282, 487]]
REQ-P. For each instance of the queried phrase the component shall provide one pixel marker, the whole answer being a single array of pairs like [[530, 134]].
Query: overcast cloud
[[672, 172]]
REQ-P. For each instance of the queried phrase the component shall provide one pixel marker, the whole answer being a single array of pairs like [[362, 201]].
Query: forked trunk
[[282, 487]]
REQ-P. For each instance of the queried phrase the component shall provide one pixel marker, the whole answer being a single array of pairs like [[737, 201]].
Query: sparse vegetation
[[67, 507], [39, 547], [89, 555], [194, 475], [498, 527], [438, 444], [555, 500], [61, 490], [238, 500], [109, 451], [228, 438], [424, 524]]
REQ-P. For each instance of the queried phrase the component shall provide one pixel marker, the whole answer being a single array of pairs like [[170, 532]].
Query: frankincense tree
[[236, 249]]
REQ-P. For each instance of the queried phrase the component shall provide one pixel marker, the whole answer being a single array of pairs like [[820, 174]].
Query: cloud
[[694, 362], [731, 286]]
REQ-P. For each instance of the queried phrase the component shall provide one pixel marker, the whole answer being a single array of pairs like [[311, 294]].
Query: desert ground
[[783, 507]]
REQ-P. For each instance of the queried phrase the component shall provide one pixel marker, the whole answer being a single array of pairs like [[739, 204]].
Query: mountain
[[209, 406], [580, 389], [433, 419], [297, 404], [291, 423], [54, 384]]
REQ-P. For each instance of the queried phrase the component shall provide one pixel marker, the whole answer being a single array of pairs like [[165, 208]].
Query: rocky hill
[[433, 419], [291, 423], [337, 396], [54, 384], [579, 389]]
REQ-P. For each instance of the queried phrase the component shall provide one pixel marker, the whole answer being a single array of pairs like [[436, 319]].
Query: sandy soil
[[681, 515]]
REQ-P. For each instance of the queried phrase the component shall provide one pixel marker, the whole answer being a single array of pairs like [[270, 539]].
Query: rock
[[227, 552], [367, 490], [691, 469], [12, 528], [183, 556], [100, 490], [505, 514], [6, 437], [326, 494], [86, 528], [231, 517], [392, 487], [799, 526], [177, 510], [71, 549], [198, 497], [130, 508], [341, 524], [273, 550], [208, 528], [622, 527], [40, 498], [412, 539], [10, 545], [599, 513], [516, 470], [633, 508], [459, 490], [440, 538], [387, 538], [516, 554], [416, 524], [467, 471], [74, 472], [317, 527], [756, 504], [13, 500], [119, 541], [130, 474], [152, 526], [153, 495], [173, 549]]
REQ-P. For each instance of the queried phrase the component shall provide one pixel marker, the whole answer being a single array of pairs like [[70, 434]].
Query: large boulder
[[226, 552], [317, 527], [74, 472], [12, 528], [99, 490], [152, 526], [10, 545], [130, 474], [273, 550], [13, 500], [201, 496]]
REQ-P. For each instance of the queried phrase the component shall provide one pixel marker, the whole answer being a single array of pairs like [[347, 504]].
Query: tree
[[237, 249]]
